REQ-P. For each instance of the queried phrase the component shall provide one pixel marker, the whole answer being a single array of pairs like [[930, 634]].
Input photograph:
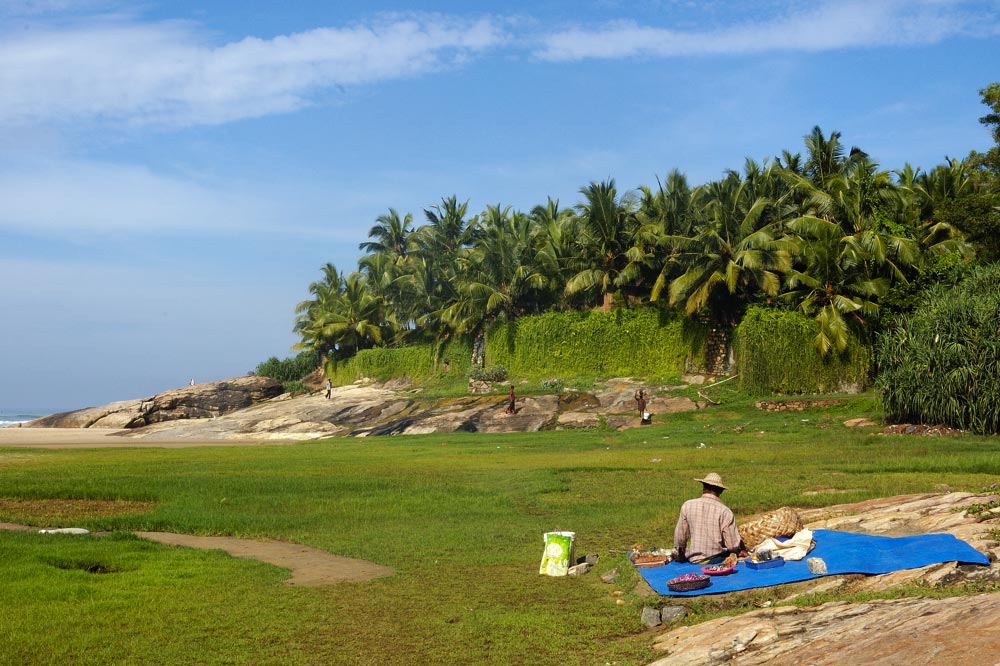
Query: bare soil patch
[[309, 566]]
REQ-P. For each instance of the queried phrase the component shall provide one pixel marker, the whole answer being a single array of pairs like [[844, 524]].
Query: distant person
[[510, 401], [329, 388], [640, 402], [706, 529], [191, 383]]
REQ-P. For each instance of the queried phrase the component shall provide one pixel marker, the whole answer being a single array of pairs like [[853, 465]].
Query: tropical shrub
[[940, 365], [775, 353], [494, 373], [290, 369]]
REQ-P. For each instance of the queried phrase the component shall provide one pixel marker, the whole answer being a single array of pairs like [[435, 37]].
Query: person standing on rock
[[329, 388], [706, 529], [640, 401], [510, 401]]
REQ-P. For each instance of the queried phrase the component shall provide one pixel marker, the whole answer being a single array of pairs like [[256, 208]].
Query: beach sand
[[100, 438]]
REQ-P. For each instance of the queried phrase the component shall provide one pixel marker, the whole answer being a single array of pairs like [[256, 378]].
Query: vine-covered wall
[[416, 362], [640, 343], [775, 353]]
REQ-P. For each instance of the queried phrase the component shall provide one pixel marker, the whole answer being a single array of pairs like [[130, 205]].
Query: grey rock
[[816, 565], [610, 576], [651, 617], [670, 614], [201, 401], [254, 409]]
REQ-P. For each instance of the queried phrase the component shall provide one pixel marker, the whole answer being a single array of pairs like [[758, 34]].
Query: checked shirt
[[705, 528]]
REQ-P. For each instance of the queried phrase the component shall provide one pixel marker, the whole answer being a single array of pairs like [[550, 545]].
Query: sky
[[173, 175]]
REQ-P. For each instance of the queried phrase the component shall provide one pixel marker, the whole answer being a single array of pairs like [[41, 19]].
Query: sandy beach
[[100, 438]]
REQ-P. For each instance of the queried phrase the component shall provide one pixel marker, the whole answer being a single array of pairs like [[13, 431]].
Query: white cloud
[[67, 197], [828, 26], [167, 72], [74, 196]]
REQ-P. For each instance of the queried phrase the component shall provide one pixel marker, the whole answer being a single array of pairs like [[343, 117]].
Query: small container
[[766, 564]]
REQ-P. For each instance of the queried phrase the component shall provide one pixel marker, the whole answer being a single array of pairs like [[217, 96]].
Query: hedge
[[640, 343], [775, 353], [416, 362]]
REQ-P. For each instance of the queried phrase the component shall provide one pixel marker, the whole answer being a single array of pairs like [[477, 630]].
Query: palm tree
[[732, 256], [607, 224], [496, 276], [552, 235], [665, 220], [430, 279], [309, 314], [850, 248]]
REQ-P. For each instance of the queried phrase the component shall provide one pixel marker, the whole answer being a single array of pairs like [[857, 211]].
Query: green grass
[[460, 517]]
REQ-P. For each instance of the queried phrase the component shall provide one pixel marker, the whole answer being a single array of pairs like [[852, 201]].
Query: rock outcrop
[[250, 408], [912, 631], [200, 401]]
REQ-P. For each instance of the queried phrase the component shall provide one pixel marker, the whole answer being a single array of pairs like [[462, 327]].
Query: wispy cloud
[[827, 26], [169, 73]]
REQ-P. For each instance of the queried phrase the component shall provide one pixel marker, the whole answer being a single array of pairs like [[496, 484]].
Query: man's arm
[[731, 536], [681, 535]]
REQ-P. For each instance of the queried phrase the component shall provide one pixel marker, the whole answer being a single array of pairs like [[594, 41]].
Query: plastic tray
[[766, 564]]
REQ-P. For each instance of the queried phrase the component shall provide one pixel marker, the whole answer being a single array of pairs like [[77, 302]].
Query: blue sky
[[174, 174]]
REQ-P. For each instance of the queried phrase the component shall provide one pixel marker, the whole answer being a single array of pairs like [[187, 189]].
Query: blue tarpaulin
[[843, 553]]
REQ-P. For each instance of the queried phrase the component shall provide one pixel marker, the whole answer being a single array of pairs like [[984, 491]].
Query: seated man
[[706, 529]]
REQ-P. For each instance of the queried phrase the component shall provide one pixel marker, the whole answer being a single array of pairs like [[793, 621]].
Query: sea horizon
[[13, 416]]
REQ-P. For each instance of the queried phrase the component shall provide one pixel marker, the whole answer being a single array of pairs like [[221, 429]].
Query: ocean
[[13, 416]]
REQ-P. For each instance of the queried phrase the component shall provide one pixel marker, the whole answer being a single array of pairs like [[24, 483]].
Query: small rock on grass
[[651, 617], [670, 613], [610, 576]]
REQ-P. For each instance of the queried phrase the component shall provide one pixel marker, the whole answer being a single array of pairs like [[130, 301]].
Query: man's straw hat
[[713, 479]]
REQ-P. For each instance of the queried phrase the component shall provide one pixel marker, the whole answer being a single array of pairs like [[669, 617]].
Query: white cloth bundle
[[795, 548]]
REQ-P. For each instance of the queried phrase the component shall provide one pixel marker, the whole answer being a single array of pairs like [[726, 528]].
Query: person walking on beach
[[329, 388]]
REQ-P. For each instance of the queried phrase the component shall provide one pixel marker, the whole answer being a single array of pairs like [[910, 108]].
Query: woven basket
[[688, 585], [783, 522]]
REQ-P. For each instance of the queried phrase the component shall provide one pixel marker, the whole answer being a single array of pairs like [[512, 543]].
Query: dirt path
[[309, 566]]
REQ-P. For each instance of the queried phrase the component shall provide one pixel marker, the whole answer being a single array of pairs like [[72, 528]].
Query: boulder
[[207, 400]]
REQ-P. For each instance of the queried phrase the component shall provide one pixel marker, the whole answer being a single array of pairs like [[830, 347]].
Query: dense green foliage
[[290, 369], [774, 355], [460, 518], [941, 364], [416, 362], [826, 232], [642, 343]]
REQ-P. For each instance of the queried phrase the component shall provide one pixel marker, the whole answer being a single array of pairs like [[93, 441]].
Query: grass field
[[460, 517]]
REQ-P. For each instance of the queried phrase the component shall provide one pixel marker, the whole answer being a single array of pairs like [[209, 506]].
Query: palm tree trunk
[[479, 351], [717, 351], [607, 302]]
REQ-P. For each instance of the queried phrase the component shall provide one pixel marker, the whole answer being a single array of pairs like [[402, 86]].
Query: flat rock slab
[[915, 632], [241, 410], [309, 566]]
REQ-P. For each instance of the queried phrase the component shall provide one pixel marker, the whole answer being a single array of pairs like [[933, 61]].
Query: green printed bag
[[557, 557]]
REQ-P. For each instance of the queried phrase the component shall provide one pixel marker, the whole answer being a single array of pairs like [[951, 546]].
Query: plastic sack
[[558, 554]]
